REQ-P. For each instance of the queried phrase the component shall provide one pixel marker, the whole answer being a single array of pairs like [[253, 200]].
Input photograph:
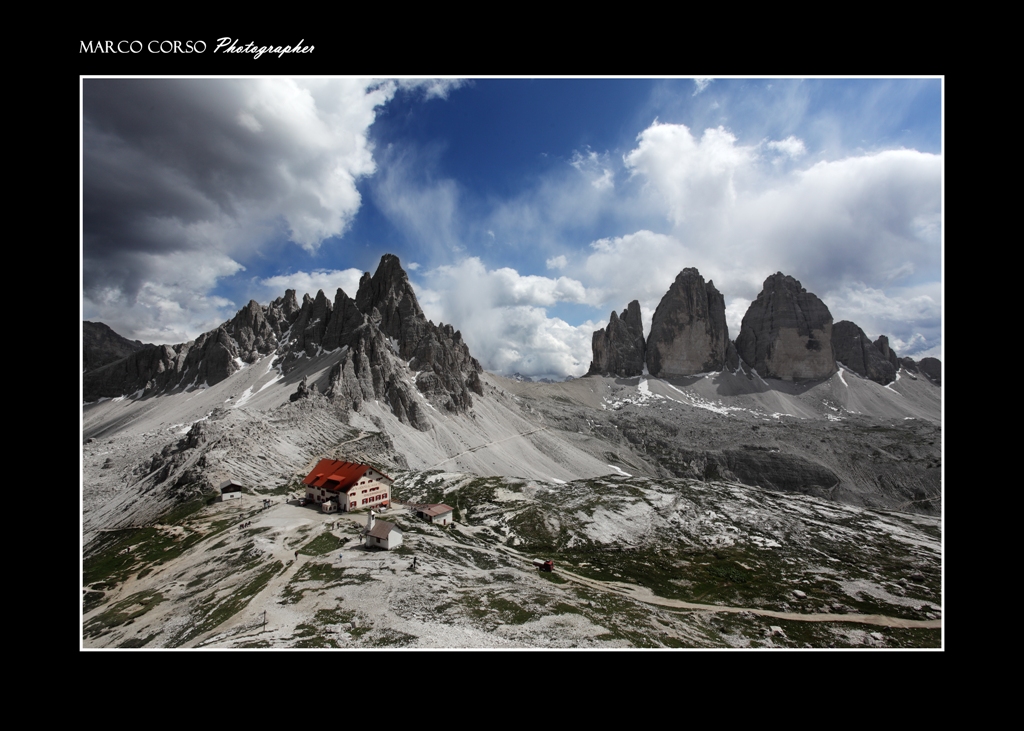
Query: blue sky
[[524, 210]]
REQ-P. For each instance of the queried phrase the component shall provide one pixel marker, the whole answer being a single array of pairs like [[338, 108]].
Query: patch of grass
[[91, 600], [391, 638], [138, 641], [729, 572], [211, 613], [149, 546], [187, 508], [283, 489], [333, 616], [317, 641], [254, 644], [122, 612], [322, 545], [509, 611], [552, 576], [319, 572]]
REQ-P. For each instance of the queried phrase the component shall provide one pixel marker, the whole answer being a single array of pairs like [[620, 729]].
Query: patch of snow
[[246, 395], [272, 381], [698, 402], [840, 374], [754, 371], [619, 470]]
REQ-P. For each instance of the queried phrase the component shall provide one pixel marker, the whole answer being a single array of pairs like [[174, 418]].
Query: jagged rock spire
[[688, 331], [379, 332], [619, 348]]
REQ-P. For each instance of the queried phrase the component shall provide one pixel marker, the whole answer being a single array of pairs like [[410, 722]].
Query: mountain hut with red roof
[[348, 485]]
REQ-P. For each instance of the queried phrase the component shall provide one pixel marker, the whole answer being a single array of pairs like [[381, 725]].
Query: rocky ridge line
[[379, 332]]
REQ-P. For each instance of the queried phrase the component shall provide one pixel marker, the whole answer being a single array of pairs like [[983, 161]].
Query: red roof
[[334, 475]]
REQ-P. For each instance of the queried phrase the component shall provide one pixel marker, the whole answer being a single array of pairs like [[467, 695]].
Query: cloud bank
[[185, 178]]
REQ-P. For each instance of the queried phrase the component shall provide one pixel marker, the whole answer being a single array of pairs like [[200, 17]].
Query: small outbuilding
[[381, 534], [439, 513], [229, 490]]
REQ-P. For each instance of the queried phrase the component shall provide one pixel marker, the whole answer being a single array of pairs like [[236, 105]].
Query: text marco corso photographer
[[224, 45]]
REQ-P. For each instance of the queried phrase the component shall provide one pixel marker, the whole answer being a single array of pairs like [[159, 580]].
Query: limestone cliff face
[[787, 332], [619, 348], [688, 332], [860, 355], [378, 333], [101, 345], [929, 367]]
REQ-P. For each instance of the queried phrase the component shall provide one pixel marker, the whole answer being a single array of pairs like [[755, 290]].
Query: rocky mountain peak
[[855, 351], [390, 293], [101, 345], [929, 367], [619, 348], [787, 332], [380, 332], [688, 331]]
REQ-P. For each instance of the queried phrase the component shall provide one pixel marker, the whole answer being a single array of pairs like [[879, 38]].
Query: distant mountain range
[[786, 333], [795, 403]]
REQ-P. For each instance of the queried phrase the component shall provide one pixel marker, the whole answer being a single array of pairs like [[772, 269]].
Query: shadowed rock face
[[101, 345], [619, 348], [860, 355], [930, 367], [688, 331], [787, 332]]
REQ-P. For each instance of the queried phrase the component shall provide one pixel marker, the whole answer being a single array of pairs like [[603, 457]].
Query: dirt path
[[486, 444], [645, 595]]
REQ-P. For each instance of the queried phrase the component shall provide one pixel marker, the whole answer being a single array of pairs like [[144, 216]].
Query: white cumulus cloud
[[502, 316], [329, 280]]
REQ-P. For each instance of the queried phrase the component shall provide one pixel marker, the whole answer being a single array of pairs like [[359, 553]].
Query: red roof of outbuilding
[[335, 475]]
